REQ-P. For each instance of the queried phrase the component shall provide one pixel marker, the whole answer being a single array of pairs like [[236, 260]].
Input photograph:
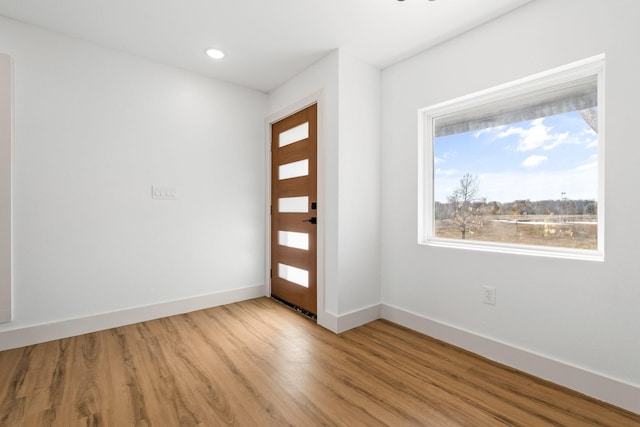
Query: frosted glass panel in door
[[294, 239], [294, 170], [294, 275], [293, 204], [295, 134]]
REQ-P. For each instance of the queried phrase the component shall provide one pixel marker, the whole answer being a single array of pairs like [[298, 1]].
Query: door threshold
[[300, 310]]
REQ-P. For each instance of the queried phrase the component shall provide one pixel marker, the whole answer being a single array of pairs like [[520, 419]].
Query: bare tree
[[467, 213]]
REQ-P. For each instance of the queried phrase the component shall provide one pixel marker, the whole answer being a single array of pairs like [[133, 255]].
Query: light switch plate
[[164, 193], [489, 295]]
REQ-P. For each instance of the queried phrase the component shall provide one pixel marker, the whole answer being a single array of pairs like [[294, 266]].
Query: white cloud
[[437, 160], [539, 136], [449, 154], [557, 140], [533, 161], [587, 137], [446, 172], [511, 131], [531, 138], [487, 130], [587, 166]]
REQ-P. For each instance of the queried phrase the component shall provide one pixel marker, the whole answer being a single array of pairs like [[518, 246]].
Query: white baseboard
[[598, 386], [358, 318], [342, 323], [20, 337], [328, 321]]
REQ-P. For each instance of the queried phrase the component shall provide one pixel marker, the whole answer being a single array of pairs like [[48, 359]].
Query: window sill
[[550, 252]]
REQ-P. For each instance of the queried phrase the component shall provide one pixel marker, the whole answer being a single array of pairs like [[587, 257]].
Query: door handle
[[312, 220]]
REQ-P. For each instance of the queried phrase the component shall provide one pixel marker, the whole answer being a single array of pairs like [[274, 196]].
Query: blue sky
[[536, 160]]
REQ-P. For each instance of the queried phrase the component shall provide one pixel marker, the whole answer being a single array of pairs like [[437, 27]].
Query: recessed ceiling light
[[215, 53]]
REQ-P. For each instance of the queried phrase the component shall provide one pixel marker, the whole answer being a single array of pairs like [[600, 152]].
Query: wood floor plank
[[256, 380], [436, 375], [258, 363], [548, 403], [14, 367], [201, 370], [128, 400], [447, 382]]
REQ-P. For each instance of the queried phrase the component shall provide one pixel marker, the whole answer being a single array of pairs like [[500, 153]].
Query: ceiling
[[266, 41]]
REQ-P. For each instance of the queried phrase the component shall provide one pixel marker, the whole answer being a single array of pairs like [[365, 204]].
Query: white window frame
[[593, 66]]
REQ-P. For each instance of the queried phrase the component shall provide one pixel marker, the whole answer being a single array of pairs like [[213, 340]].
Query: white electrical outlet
[[489, 295], [164, 193]]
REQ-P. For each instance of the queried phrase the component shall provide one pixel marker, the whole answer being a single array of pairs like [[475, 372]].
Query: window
[[518, 168]]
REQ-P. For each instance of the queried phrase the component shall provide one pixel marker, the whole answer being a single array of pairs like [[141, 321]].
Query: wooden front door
[[294, 209]]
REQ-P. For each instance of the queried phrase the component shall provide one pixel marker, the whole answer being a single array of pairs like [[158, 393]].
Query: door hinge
[[271, 273]]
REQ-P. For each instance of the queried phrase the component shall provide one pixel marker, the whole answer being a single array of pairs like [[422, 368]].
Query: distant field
[[575, 231]]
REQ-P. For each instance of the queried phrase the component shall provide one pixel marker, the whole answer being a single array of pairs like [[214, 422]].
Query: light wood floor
[[257, 363]]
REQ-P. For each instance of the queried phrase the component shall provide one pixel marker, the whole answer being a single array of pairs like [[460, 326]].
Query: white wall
[[349, 159], [581, 313], [359, 185], [5, 186], [94, 129]]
